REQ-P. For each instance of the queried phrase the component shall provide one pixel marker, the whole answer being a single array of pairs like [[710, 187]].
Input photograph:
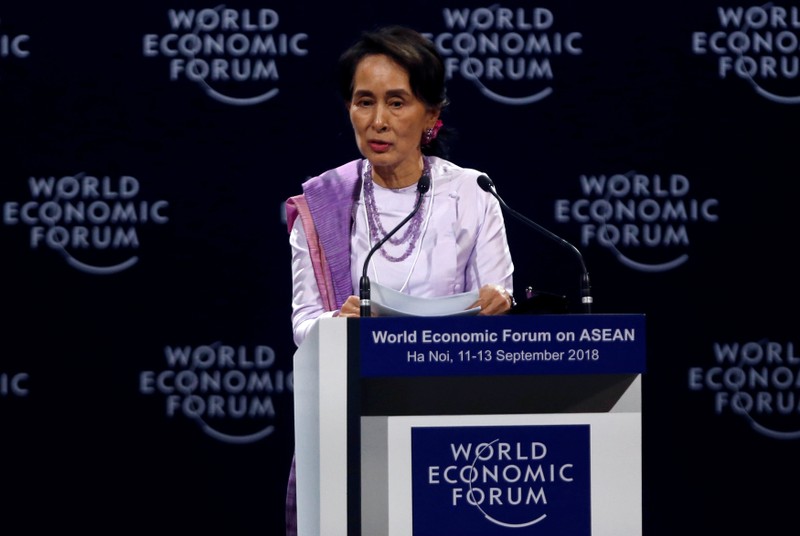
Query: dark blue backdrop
[[145, 370]]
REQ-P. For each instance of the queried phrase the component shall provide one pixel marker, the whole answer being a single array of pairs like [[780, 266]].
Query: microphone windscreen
[[485, 182], [423, 184]]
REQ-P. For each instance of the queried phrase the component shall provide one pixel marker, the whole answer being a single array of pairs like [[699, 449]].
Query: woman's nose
[[380, 122]]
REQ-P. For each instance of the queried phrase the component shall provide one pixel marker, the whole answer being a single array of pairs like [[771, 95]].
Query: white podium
[[504, 425]]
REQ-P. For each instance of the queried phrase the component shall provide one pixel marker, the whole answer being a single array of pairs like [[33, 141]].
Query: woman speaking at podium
[[392, 81]]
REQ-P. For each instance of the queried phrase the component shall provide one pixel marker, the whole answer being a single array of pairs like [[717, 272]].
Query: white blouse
[[462, 244]]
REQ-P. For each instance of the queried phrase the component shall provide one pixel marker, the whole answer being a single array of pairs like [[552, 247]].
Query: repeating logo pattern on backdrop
[[92, 221], [507, 53], [757, 380], [758, 44], [227, 390], [232, 54], [14, 45], [643, 219], [501, 480], [14, 384]]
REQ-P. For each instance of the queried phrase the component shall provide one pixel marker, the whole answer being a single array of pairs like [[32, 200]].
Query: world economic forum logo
[[232, 54], [92, 221], [14, 45], [758, 44], [757, 380], [501, 480], [508, 53], [228, 391], [644, 220]]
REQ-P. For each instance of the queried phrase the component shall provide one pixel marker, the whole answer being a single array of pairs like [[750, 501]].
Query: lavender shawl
[[325, 209]]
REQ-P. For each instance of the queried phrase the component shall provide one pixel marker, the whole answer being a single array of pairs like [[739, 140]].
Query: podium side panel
[[306, 424], [320, 379], [374, 476], [617, 468], [631, 399], [333, 427]]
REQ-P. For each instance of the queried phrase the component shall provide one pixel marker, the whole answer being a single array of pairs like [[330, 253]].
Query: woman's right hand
[[351, 308]]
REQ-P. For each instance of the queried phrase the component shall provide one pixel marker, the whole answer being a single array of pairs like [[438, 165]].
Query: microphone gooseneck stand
[[487, 185], [423, 185]]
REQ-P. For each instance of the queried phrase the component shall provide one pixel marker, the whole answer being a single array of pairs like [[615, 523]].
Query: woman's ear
[[435, 113]]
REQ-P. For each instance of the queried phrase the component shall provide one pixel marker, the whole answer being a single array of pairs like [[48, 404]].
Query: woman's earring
[[430, 133]]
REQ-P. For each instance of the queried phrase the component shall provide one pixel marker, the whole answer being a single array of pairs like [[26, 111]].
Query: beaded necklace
[[376, 230]]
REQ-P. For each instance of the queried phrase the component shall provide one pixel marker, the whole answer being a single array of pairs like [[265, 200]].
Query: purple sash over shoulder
[[329, 200]]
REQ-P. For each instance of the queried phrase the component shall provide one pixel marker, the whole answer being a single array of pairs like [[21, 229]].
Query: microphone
[[487, 185], [423, 185]]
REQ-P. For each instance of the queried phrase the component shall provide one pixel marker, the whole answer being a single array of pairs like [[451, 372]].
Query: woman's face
[[388, 119]]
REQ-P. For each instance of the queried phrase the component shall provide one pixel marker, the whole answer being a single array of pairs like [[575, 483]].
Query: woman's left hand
[[493, 300]]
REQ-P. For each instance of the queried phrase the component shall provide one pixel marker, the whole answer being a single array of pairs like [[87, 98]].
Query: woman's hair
[[413, 52]]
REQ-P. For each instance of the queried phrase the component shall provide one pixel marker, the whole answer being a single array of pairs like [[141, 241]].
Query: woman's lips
[[379, 146]]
